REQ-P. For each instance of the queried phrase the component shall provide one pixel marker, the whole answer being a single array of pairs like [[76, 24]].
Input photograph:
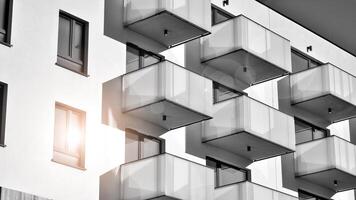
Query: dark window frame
[[141, 137], [306, 57], [69, 63], [141, 54], [218, 165], [216, 10], [313, 128], [3, 102], [81, 165], [8, 30]]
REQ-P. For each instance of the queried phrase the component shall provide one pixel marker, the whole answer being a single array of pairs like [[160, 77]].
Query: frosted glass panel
[[323, 154], [246, 114], [250, 191], [166, 175], [8, 194], [166, 80], [196, 12], [243, 33], [325, 79]]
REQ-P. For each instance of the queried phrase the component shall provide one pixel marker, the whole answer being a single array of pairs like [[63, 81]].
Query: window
[[226, 174], [137, 58], [5, 21], [69, 128], [308, 196], [138, 146], [72, 43], [305, 132], [302, 62], [3, 98], [218, 15], [222, 93]]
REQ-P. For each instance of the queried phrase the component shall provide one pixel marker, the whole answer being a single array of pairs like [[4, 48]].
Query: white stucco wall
[[35, 83]]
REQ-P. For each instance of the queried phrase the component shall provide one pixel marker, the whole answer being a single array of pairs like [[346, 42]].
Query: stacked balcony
[[329, 162], [247, 51], [167, 95], [169, 22], [249, 191], [250, 129], [325, 91], [166, 177]]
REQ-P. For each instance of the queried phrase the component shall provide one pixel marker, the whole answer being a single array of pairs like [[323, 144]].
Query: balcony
[[329, 162], [249, 191], [246, 50], [326, 91], [169, 22], [167, 95], [166, 177], [249, 128]]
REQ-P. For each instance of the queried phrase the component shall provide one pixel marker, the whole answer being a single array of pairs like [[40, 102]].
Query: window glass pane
[[149, 60], [219, 16], [132, 58], [74, 135], [60, 130], [3, 15], [304, 136], [131, 147], [64, 36], [228, 175], [78, 42], [319, 134], [149, 148], [299, 62], [222, 93]]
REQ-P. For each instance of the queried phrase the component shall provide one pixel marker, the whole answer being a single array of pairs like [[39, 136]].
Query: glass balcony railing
[[169, 22], [167, 95], [249, 191], [330, 162], [249, 128], [246, 50], [326, 91], [166, 176]]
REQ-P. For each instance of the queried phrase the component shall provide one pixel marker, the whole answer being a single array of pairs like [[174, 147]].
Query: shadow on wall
[[114, 28], [109, 188]]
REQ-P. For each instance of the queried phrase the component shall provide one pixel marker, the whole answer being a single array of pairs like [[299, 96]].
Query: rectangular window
[[3, 99], [138, 146], [5, 21], [302, 62], [72, 43], [218, 15], [137, 58], [226, 174], [222, 93], [69, 136], [305, 132]]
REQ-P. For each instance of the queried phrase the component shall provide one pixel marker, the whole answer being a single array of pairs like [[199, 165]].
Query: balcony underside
[[345, 181], [260, 148], [177, 115], [257, 69], [319, 106], [179, 30]]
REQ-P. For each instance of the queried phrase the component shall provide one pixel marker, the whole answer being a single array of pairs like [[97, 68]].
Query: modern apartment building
[[177, 99]]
